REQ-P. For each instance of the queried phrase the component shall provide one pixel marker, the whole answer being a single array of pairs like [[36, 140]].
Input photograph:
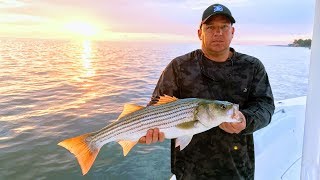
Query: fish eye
[[223, 106]]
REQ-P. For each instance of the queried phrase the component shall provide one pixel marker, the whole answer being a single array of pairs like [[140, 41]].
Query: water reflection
[[87, 59]]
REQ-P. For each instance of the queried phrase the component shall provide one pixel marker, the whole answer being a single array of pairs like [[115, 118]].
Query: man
[[217, 72]]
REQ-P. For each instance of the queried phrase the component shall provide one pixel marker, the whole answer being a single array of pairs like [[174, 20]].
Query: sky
[[257, 21]]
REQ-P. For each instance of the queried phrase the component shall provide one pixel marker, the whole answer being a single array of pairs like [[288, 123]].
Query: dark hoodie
[[242, 79]]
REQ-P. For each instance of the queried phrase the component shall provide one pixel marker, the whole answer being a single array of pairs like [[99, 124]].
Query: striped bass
[[176, 118]]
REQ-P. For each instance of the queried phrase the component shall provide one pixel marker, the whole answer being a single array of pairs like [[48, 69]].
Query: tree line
[[301, 43]]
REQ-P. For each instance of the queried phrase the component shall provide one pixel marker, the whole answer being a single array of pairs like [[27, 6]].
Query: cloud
[[11, 4], [198, 4], [180, 17], [203, 4], [18, 18]]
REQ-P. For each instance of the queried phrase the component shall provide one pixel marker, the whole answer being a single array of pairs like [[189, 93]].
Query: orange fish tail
[[82, 150]]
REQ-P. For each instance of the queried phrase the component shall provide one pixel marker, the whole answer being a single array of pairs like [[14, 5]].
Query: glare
[[82, 28], [86, 59]]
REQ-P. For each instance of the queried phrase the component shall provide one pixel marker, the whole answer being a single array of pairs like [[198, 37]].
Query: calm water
[[52, 90]]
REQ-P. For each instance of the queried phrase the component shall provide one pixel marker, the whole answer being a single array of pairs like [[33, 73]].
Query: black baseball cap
[[215, 9]]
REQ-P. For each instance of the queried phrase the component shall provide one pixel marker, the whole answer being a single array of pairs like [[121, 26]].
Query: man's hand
[[152, 136], [235, 127]]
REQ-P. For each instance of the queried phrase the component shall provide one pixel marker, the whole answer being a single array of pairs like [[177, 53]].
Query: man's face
[[216, 34]]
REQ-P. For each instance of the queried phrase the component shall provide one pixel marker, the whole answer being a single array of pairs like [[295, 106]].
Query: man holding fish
[[217, 71], [209, 102]]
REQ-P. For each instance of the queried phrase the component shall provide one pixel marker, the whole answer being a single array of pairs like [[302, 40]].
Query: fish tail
[[85, 152]]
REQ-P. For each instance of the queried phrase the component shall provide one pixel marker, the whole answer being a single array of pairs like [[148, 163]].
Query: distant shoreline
[[287, 46], [279, 45]]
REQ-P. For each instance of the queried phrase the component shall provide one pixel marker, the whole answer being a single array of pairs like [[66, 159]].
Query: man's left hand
[[234, 127]]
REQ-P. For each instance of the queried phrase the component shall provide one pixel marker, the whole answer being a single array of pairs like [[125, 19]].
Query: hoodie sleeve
[[167, 83], [260, 106]]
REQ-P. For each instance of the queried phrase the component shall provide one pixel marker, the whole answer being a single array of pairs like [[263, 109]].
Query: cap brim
[[227, 15]]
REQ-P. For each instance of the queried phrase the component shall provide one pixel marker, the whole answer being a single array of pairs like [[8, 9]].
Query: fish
[[178, 119]]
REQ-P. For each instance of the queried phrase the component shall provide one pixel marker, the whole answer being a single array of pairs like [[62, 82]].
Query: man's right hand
[[152, 136]]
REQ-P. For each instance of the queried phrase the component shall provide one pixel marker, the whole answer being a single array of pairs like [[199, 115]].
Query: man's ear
[[200, 34]]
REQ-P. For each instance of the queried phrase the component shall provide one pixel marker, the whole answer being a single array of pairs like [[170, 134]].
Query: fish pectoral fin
[[127, 146], [165, 99], [188, 125], [183, 141], [129, 108]]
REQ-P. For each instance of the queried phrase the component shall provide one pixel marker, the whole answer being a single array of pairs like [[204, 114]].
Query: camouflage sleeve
[[167, 83], [260, 107]]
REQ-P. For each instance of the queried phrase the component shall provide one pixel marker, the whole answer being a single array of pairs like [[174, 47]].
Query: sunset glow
[[173, 21], [82, 28]]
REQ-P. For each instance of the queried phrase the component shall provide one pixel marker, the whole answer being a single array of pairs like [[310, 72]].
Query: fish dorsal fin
[[127, 146], [165, 99], [129, 108], [183, 141]]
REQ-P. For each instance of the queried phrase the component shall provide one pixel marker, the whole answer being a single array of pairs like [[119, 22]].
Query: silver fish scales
[[176, 118]]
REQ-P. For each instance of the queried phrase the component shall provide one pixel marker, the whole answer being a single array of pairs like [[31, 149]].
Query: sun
[[83, 29]]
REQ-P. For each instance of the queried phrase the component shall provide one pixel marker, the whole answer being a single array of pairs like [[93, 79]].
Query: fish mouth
[[236, 107], [232, 112]]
